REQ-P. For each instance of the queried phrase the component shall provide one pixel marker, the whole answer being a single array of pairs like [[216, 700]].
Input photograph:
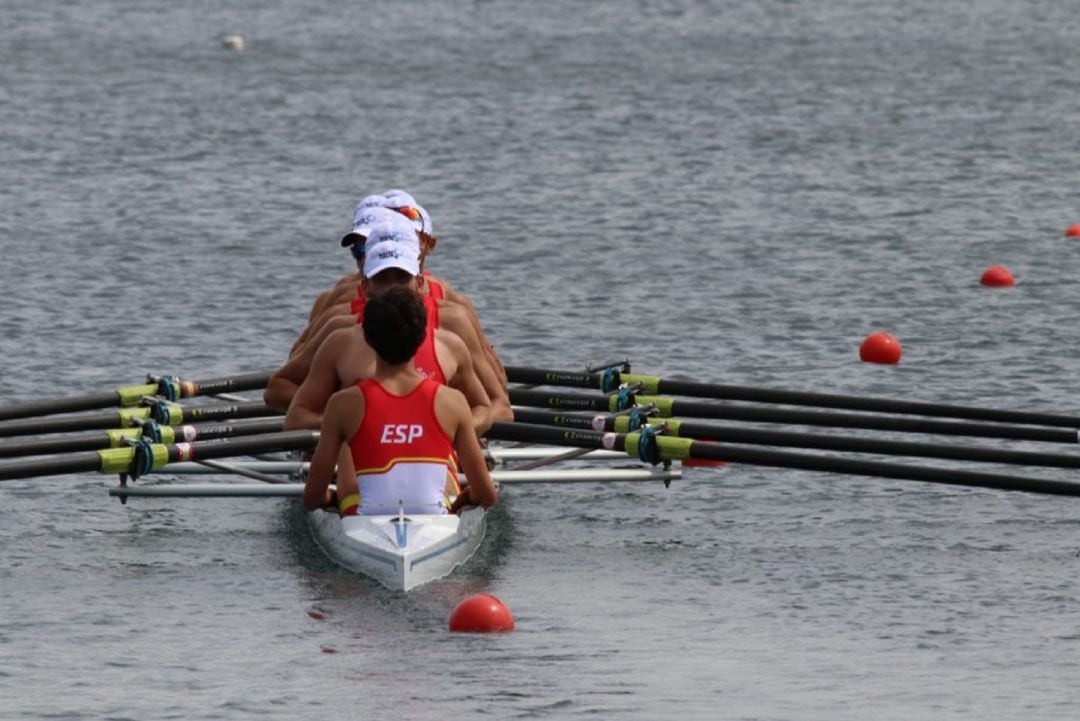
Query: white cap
[[391, 246], [402, 196], [397, 198], [367, 218], [370, 201]]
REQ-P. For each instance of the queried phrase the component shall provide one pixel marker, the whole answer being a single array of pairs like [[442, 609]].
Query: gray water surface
[[735, 192]]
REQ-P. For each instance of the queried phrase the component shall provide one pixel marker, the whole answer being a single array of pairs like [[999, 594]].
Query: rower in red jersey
[[341, 312], [327, 312], [391, 260], [397, 438]]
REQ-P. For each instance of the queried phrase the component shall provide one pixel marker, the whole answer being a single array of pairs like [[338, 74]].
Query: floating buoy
[[482, 613], [997, 275], [880, 347], [1072, 231], [233, 42]]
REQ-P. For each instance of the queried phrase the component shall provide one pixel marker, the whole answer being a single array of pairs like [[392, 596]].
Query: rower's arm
[[284, 382], [481, 489], [309, 402], [329, 320], [332, 296], [485, 344], [466, 381], [457, 322], [335, 319], [317, 493]]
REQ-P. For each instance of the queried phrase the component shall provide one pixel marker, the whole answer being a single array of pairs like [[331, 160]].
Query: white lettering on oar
[[401, 433]]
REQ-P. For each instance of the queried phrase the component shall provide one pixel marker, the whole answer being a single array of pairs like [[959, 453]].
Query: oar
[[154, 455], [652, 385], [670, 448], [670, 407], [754, 436], [170, 414], [168, 386], [116, 437]]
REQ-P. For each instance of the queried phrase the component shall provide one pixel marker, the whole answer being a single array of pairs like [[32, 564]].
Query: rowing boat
[[400, 551]]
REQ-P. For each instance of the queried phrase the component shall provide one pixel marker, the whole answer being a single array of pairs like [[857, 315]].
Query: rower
[[391, 260], [335, 302], [403, 203], [286, 381], [397, 437], [331, 307]]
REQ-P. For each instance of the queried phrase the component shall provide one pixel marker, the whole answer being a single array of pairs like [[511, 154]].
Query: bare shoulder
[[452, 342], [454, 316], [339, 342], [345, 399], [447, 288], [344, 411], [453, 400], [344, 280]]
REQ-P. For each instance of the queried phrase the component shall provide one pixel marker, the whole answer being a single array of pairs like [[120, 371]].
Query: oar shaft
[[125, 418], [655, 385], [130, 395], [118, 460], [116, 437], [65, 405], [681, 448], [669, 407], [729, 434]]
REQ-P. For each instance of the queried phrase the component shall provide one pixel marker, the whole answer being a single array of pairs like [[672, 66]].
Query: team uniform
[[426, 359], [402, 455]]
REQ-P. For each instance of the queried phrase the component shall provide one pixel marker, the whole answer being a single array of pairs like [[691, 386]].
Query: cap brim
[[373, 269], [351, 238]]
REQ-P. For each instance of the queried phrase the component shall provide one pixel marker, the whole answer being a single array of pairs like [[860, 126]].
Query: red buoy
[[997, 275], [482, 613], [1072, 231], [880, 347]]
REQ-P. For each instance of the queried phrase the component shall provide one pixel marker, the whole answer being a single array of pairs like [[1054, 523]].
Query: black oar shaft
[[118, 460], [95, 440], [130, 395], [700, 409], [717, 391], [122, 418], [681, 448], [729, 434], [60, 405]]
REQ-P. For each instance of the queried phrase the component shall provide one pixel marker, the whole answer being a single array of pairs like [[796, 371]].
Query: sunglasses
[[357, 250], [409, 212]]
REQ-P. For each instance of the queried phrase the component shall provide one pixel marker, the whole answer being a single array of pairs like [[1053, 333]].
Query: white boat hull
[[400, 556]]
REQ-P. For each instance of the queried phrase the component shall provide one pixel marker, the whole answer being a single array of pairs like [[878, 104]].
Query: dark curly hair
[[395, 322]]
